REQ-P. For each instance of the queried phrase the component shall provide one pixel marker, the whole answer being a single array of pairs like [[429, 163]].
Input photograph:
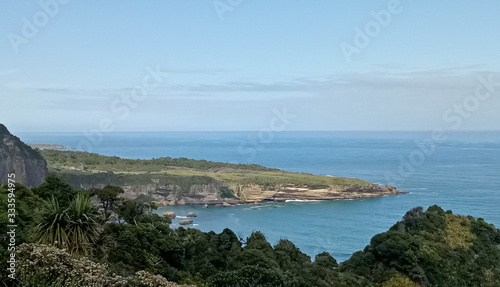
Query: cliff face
[[157, 189], [16, 157], [170, 195]]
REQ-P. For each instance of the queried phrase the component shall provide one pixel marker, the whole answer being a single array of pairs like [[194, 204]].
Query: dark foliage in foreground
[[426, 248]]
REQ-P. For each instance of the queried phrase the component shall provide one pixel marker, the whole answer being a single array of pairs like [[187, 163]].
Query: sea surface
[[460, 172]]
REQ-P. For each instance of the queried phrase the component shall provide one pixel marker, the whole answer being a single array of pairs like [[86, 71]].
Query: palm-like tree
[[75, 228], [83, 228], [51, 225]]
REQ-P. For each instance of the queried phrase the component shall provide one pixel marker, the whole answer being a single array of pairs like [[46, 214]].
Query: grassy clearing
[[272, 178]]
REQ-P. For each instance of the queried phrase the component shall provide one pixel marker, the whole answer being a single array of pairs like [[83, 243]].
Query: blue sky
[[233, 72]]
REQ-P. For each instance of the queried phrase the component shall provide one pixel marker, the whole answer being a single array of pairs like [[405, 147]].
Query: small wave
[[301, 200], [195, 224], [418, 188], [251, 208], [181, 216]]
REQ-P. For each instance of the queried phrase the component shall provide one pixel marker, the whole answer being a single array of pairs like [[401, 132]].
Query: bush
[[45, 265], [225, 192]]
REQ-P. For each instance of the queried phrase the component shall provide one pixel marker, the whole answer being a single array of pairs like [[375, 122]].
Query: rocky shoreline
[[255, 194], [48, 146], [356, 192]]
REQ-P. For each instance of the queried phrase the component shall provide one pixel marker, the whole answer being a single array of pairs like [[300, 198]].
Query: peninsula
[[47, 146], [181, 181]]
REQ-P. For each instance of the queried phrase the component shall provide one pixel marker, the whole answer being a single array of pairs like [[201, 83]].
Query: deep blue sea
[[462, 173]]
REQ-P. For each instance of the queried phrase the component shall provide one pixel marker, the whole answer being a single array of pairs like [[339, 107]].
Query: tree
[[84, 228], [250, 276], [75, 227], [130, 210], [51, 224], [55, 187], [326, 260], [108, 196]]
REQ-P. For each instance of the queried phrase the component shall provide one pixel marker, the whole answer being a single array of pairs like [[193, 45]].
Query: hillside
[[172, 181], [431, 248], [426, 248], [18, 158]]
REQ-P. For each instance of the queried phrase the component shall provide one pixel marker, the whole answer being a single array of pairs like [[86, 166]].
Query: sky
[[241, 65]]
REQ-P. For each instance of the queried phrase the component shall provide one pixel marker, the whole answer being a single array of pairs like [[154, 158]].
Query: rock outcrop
[[257, 193], [170, 214], [16, 157]]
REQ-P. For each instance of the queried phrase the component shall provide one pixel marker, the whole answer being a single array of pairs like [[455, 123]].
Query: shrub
[[46, 265], [225, 192]]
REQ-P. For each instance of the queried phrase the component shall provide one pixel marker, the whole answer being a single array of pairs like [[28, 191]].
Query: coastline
[[352, 193], [48, 146], [181, 181]]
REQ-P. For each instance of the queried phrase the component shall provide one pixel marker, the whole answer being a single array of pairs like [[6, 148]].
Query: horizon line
[[256, 131]]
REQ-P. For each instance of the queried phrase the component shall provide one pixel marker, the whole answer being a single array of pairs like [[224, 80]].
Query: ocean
[[460, 173]]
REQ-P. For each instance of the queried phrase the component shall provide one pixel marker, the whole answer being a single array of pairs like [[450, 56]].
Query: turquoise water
[[462, 174]]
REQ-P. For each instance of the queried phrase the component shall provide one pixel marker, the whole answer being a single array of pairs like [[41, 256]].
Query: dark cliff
[[16, 157]]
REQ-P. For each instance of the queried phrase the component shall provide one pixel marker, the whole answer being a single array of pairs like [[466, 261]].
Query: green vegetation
[[55, 187], [399, 280], [45, 265], [182, 183], [419, 248], [108, 196], [225, 192], [114, 170], [74, 227], [458, 233], [92, 161], [273, 178], [58, 238]]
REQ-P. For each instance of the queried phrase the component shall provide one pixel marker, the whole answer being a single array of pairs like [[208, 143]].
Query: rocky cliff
[[162, 189], [16, 157]]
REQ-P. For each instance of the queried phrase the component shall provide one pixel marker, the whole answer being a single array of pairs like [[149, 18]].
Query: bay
[[461, 173]]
